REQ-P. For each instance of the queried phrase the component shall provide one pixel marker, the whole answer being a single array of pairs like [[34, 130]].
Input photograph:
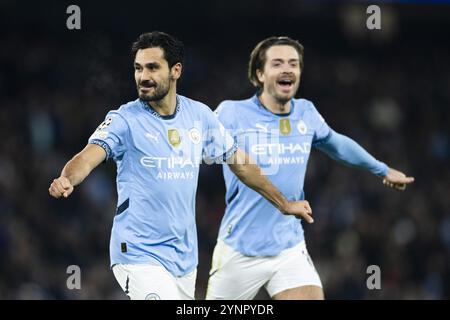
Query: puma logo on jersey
[[152, 136], [264, 128]]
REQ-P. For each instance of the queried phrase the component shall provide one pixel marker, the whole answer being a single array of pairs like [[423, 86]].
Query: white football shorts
[[152, 282], [234, 276]]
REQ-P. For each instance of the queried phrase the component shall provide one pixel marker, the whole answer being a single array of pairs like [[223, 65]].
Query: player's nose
[[145, 75]]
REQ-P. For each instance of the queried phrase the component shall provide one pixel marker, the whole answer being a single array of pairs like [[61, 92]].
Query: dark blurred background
[[388, 89]]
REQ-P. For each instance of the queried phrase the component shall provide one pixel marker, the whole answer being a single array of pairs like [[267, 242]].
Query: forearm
[[252, 176], [346, 151], [81, 165], [76, 170]]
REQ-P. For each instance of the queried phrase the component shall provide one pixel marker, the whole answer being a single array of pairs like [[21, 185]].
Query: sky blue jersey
[[281, 145], [158, 160]]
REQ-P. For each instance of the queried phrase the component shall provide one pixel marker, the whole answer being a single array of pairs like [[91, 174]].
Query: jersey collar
[[153, 112], [258, 102]]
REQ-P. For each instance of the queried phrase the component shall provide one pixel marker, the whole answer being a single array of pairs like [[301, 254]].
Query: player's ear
[[175, 71], [260, 75]]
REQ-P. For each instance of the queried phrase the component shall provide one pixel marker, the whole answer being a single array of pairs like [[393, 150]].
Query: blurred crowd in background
[[388, 89]]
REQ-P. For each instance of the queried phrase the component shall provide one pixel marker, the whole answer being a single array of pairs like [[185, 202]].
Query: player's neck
[[274, 105], [167, 105]]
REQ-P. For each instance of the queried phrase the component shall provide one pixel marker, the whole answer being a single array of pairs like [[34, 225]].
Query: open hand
[[300, 209], [396, 179]]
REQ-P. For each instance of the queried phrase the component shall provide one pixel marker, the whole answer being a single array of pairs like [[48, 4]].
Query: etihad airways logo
[[280, 148], [170, 162]]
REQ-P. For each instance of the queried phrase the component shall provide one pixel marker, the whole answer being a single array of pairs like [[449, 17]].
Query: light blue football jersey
[[158, 160], [281, 145]]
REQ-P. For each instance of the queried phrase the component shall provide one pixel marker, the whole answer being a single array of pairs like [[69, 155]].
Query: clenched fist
[[60, 187]]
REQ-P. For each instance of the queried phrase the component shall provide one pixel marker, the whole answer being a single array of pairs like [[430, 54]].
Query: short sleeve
[[111, 135], [219, 145], [322, 132], [226, 115]]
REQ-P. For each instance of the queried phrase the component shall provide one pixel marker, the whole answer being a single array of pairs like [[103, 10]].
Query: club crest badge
[[194, 135], [301, 127]]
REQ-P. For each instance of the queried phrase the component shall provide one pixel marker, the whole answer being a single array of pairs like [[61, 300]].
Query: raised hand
[[396, 179]]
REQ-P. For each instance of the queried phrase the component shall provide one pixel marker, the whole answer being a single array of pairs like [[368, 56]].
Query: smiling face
[[153, 76], [281, 73]]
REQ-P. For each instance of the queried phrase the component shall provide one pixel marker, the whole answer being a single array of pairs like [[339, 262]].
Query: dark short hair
[[172, 47], [258, 56]]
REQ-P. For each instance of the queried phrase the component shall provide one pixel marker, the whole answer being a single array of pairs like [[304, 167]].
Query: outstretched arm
[[250, 174], [345, 150], [76, 170]]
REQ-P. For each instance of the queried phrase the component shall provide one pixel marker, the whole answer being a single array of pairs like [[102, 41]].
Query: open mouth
[[285, 84]]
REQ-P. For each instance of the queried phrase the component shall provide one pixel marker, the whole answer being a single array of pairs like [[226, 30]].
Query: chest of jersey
[[167, 146], [277, 141]]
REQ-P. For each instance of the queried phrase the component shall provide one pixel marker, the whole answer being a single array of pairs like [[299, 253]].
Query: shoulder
[[308, 108], [128, 109], [124, 113], [305, 104], [193, 106], [233, 106]]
